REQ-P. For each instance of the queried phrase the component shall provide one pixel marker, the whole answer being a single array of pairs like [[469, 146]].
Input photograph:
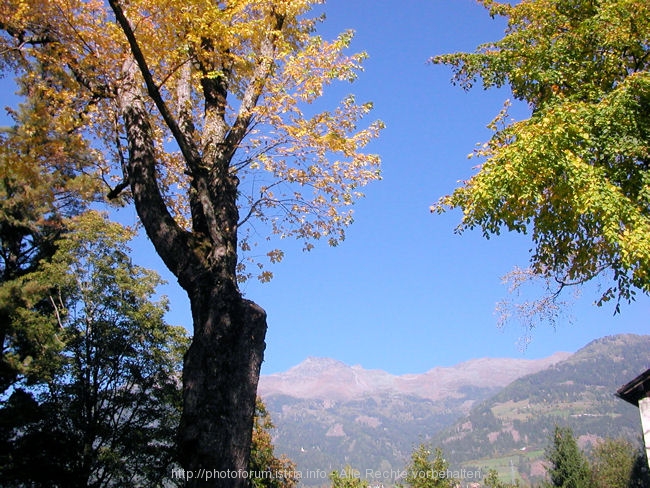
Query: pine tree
[[568, 466], [424, 472]]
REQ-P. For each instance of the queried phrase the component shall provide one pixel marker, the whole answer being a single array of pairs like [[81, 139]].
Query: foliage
[[568, 465], [424, 472], [380, 444], [204, 114], [575, 174], [613, 463], [278, 472], [492, 481], [43, 183], [640, 472], [298, 168], [347, 478], [515, 424], [109, 413]]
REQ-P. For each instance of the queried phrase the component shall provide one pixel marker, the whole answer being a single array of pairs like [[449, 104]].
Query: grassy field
[[506, 465]]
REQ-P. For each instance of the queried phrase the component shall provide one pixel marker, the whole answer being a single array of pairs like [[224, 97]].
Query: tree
[[109, 413], [207, 109], [424, 472], [268, 470], [44, 182], [492, 481], [568, 466], [347, 478], [575, 173], [613, 464], [640, 473]]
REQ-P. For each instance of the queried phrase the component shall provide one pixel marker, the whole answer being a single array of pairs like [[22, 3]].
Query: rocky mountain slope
[[328, 414], [510, 430], [324, 378], [486, 413]]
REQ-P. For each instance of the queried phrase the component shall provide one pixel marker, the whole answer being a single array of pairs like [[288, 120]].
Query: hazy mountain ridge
[[482, 412], [328, 414], [325, 378]]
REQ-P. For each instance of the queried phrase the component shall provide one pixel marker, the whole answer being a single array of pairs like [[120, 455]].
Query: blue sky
[[404, 293]]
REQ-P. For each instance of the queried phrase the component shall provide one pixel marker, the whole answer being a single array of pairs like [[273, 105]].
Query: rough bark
[[220, 378], [222, 366]]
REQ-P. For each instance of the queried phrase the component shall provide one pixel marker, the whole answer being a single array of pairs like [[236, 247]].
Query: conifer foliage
[[427, 469], [569, 467]]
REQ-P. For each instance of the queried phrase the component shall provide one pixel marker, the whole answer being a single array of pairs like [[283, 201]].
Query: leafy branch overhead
[[575, 174], [234, 86]]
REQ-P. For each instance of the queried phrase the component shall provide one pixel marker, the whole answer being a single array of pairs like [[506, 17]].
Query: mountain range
[[482, 412], [510, 430], [329, 379]]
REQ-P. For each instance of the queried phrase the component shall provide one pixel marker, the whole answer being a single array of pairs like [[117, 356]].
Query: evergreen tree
[[492, 481], [347, 478], [568, 466], [424, 472], [640, 472], [43, 167], [108, 415]]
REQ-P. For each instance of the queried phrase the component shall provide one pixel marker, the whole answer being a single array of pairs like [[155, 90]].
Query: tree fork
[[222, 366]]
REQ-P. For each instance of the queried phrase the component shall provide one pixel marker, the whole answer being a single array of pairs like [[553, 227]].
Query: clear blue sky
[[403, 293]]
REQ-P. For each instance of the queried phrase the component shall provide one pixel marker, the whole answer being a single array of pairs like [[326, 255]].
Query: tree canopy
[[423, 471], [617, 463], [44, 168], [107, 413], [239, 76], [204, 114], [568, 465], [574, 175]]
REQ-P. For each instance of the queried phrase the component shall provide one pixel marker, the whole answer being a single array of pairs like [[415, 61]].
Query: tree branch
[[170, 240], [115, 192], [185, 143], [255, 88]]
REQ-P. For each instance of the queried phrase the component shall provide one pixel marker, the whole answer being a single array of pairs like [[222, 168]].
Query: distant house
[[637, 392]]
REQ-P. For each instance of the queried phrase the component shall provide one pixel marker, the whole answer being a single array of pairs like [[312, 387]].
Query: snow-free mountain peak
[[326, 378]]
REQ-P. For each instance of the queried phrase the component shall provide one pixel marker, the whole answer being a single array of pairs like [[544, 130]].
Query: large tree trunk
[[220, 379], [223, 363]]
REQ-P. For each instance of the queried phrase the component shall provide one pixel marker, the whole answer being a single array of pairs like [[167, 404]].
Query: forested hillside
[[328, 414], [512, 428]]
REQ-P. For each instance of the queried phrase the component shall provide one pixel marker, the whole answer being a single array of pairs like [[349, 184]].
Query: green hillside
[[368, 433], [510, 430]]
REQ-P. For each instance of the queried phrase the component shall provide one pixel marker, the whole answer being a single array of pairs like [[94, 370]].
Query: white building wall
[[644, 410]]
